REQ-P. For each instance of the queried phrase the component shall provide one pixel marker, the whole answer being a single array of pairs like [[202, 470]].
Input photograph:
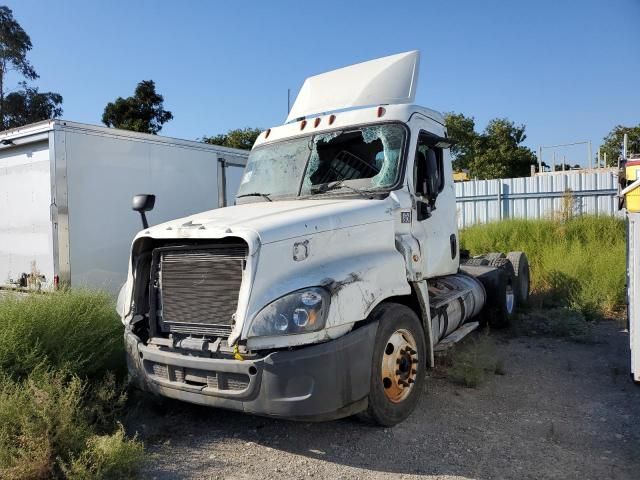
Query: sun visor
[[386, 80]]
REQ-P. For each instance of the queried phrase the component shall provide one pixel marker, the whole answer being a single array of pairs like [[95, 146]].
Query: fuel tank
[[454, 299]]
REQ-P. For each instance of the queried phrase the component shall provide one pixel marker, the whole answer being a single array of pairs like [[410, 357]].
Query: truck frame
[[326, 289]]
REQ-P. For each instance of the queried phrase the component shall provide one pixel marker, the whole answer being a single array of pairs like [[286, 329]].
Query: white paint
[[387, 80], [104, 169], [25, 226], [633, 291]]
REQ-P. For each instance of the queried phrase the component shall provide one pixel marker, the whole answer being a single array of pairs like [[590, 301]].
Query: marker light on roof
[[266, 134], [303, 124], [381, 111], [332, 118], [316, 122]]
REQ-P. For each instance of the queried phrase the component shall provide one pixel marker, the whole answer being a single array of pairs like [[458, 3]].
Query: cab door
[[435, 218]]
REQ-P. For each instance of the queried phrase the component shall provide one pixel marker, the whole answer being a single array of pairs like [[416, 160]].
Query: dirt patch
[[561, 410]]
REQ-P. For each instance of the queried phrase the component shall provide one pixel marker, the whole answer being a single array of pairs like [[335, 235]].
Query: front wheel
[[399, 365]]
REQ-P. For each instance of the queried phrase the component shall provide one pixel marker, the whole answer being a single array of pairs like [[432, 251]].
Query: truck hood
[[279, 220]]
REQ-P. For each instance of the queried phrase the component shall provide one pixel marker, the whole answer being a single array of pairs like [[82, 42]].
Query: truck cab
[[326, 289]]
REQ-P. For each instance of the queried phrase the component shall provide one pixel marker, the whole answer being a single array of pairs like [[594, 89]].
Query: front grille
[[198, 289], [195, 377]]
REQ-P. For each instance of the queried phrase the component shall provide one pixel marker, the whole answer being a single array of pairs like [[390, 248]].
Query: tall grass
[[75, 330], [60, 397], [579, 262]]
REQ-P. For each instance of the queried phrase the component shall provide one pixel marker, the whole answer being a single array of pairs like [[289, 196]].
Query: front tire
[[398, 371]]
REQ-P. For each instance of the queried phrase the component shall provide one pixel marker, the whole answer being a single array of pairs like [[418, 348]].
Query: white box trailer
[[65, 197]]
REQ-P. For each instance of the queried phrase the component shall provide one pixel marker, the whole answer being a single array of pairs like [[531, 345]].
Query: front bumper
[[317, 382]]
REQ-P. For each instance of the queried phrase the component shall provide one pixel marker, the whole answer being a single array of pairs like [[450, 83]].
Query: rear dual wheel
[[501, 297], [520, 264], [398, 366], [521, 280]]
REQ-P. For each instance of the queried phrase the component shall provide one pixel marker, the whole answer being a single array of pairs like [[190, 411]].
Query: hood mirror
[[142, 203]]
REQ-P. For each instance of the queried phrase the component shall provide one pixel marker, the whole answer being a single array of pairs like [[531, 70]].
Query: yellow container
[[633, 197]]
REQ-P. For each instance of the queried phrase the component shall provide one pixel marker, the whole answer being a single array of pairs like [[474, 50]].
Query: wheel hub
[[399, 365], [510, 299]]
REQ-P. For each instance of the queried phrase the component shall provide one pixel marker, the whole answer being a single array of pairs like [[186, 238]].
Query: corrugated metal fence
[[541, 196]]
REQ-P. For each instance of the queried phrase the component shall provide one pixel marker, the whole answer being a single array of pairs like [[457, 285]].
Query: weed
[[107, 457], [48, 429], [472, 362], [556, 322], [60, 399], [577, 262], [77, 331]]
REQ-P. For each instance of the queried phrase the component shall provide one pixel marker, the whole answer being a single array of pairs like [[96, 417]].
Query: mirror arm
[[423, 210], [145, 224]]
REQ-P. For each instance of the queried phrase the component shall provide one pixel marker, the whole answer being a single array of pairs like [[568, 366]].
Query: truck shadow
[[558, 403]]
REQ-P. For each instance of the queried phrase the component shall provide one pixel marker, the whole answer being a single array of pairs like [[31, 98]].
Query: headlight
[[298, 312]]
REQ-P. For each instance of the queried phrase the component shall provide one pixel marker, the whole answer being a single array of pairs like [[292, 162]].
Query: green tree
[[497, 152], [612, 145], [243, 138], [461, 129], [27, 104], [143, 112]]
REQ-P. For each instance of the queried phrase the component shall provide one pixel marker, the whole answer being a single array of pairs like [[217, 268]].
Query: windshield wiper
[[256, 194], [325, 187]]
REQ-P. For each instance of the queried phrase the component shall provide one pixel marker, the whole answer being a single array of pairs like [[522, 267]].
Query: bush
[[78, 331], [108, 457], [471, 362], [578, 263], [47, 430], [60, 400]]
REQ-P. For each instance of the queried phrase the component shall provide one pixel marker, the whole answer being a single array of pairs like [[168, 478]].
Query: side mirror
[[143, 203]]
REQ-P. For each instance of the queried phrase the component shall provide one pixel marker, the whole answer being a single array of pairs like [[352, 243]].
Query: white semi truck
[[326, 289]]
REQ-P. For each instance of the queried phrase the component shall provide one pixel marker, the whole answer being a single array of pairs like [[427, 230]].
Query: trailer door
[[26, 236]]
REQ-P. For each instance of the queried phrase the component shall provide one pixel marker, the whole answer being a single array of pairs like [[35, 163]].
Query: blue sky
[[569, 70]]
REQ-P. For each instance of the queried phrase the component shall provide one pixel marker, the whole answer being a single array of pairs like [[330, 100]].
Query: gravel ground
[[562, 410]]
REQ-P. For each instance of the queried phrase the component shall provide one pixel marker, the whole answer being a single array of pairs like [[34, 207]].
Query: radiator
[[198, 289]]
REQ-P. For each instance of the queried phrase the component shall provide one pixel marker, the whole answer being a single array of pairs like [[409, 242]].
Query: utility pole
[[553, 169], [539, 159], [625, 144]]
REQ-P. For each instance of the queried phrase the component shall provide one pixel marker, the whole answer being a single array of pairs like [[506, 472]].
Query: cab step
[[449, 341]]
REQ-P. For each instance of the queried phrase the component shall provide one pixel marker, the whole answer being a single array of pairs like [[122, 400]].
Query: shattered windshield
[[360, 160]]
